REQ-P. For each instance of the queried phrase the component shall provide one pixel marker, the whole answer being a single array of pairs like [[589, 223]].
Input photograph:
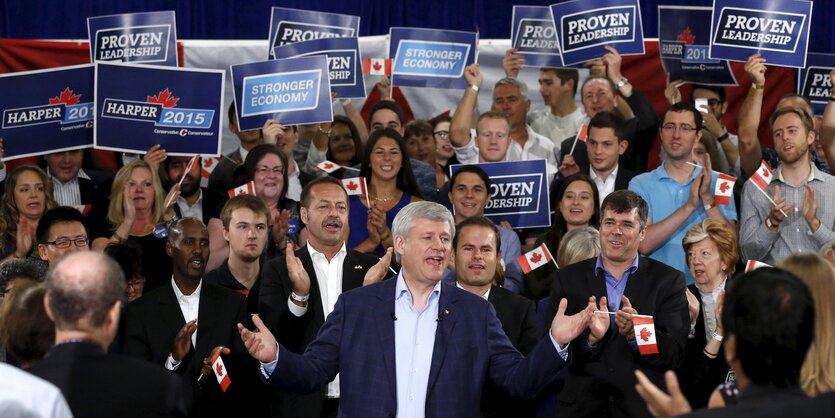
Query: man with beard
[[194, 201], [183, 325], [802, 218], [294, 305]]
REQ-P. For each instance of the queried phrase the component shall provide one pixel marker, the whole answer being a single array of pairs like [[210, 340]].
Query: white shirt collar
[[313, 251], [179, 294], [715, 294], [486, 294], [613, 175]]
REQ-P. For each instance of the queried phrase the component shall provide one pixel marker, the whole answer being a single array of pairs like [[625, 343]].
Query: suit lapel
[[636, 288], [446, 322], [315, 292], [207, 314], [385, 327], [352, 277]]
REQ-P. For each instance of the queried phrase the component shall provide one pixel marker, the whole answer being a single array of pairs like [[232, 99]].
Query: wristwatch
[[717, 337], [297, 298], [623, 81]]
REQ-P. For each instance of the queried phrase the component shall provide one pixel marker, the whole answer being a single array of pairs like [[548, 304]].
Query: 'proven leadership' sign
[[138, 106], [53, 111], [518, 193], [292, 91], [135, 37], [814, 81], [584, 27], [344, 62], [777, 29], [532, 33], [684, 43], [431, 58], [288, 26]]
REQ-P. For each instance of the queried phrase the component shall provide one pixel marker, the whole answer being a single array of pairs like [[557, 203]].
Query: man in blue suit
[[413, 346]]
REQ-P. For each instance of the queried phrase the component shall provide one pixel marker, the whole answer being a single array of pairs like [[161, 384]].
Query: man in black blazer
[[84, 292], [182, 325], [600, 380], [298, 291], [476, 252]]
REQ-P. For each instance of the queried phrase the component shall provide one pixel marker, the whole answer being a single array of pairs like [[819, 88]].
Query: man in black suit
[[181, 326], [299, 290], [476, 252], [769, 321], [83, 297], [600, 380], [194, 201]]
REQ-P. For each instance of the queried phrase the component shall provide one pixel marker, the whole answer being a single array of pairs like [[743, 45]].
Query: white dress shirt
[[189, 305], [604, 186]]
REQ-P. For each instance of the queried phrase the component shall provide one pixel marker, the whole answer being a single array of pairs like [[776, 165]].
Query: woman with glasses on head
[[28, 195], [444, 154]]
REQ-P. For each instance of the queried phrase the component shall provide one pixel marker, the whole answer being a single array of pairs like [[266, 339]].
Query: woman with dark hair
[[444, 154], [267, 167], [25, 329], [579, 206], [28, 195], [391, 186], [344, 146]]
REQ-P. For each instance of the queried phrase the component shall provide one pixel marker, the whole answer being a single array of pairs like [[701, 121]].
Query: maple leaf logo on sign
[[724, 187], [352, 186], [165, 98], [686, 36], [536, 257], [65, 97], [645, 334]]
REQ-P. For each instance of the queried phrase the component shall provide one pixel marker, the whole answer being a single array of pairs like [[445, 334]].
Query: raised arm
[[750, 152], [459, 130]]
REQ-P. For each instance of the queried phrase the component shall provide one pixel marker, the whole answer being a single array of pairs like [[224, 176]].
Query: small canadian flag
[[754, 264], [327, 166], [644, 328], [724, 189], [248, 188], [208, 166], [221, 373], [762, 177], [583, 135], [376, 66], [535, 258], [84, 209], [354, 186]]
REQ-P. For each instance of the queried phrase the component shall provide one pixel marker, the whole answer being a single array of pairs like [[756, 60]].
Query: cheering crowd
[[141, 293]]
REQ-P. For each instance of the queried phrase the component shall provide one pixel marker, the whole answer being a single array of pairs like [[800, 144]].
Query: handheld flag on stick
[[248, 188], [724, 189], [644, 328], [754, 264], [356, 186], [535, 258], [582, 136], [376, 66], [220, 372], [327, 166], [762, 178]]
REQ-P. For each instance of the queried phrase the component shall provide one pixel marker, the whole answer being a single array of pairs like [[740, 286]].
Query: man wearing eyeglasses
[[679, 194], [61, 231]]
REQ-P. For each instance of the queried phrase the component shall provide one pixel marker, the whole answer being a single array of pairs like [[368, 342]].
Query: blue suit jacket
[[358, 342]]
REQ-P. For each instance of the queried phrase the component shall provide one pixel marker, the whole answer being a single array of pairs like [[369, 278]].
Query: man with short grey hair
[[413, 346]]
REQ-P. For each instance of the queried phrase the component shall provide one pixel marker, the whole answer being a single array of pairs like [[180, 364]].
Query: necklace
[[383, 199]]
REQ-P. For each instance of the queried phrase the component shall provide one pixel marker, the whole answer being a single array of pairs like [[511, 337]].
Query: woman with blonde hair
[[818, 373], [28, 195], [578, 244]]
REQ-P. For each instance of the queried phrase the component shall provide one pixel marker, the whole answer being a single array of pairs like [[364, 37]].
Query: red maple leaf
[[352, 186], [240, 192], [724, 187], [687, 37], [219, 369], [536, 257], [165, 98], [766, 173], [65, 97], [645, 334], [328, 165], [377, 66], [207, 162]]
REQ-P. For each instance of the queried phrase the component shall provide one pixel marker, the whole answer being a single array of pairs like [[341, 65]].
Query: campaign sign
[[518, 193], [134, 37], [814, 82], [288, 26], [292, 91], [584, 27], [138, 106], [777, 29], [46, 111], [344, 62], [684, 43], [431, 58], [532, 33]]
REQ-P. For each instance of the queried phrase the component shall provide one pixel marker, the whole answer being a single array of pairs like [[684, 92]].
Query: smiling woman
[[28, 195]]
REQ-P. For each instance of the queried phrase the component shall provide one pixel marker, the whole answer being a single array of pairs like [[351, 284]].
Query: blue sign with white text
[[776, 29], [344, 62], [684, 43], [431, 58], [532, 33], [814, 82], [134, 37], [138, 106], [51, 110], [518, 193], [289, 26], [584, 27], [292, 91]]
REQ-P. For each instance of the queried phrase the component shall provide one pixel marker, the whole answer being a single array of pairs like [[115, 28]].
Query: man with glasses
[[679, 193], [61, 231]]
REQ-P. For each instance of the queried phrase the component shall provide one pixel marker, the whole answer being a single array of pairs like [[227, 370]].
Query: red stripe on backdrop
[[26, 55]]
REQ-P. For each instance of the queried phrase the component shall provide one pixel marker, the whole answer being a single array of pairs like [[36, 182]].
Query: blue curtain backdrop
[[249, 19]]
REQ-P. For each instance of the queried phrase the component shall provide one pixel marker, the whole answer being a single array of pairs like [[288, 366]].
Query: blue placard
[[138, 106], [532, 33], [292, 91], [584, 27], [344, 62], [431, 58], [777, 29], [134, 37], [814, 82], [289, 26], [518, 193], [684, 43], [51, 110]]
